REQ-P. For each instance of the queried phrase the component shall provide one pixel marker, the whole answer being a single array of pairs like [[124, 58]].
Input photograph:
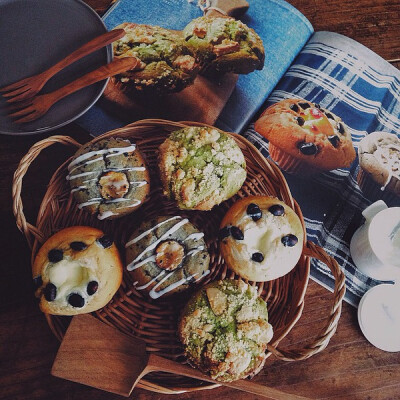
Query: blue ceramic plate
[[34, 35]]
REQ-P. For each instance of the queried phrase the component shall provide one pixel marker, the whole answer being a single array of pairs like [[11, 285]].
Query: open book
[[323, 67]]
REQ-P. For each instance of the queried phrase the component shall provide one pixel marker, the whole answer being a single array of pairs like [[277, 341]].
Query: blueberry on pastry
[[304, 137], [76, 271], [261, 238]]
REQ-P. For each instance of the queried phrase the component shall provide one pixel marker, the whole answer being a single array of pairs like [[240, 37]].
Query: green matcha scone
[[201, 167], [225, 331], [167, 63], [225, 45]]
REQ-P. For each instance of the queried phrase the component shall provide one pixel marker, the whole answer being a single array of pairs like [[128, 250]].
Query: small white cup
[[375, 246]]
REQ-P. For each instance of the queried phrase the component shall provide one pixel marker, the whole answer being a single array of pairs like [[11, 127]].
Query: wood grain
[[348, 369]]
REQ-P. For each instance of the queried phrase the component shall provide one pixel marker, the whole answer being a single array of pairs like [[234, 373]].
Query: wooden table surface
[[349, 368]]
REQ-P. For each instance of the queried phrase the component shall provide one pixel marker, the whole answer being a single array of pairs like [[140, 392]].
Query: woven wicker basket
[[155, 321]]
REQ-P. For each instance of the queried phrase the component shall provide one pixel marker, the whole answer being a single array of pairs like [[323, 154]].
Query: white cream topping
[[70, 276], [389, 157]]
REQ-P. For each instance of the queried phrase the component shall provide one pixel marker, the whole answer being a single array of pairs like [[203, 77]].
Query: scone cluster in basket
[[224, 327]]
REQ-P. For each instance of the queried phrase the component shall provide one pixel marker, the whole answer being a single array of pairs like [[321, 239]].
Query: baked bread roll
[[201, 167], [76, 271], [305, 138], [167, 63], [109, 178], [224, 45], [261, 238], [379, 157], [225, 331], [166, 255]]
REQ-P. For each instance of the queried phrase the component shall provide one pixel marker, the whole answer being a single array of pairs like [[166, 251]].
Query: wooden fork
[[28, 87], [35, 107]]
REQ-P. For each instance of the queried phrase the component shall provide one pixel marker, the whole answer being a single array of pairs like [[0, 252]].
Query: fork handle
[[91, 46], [117, 66]]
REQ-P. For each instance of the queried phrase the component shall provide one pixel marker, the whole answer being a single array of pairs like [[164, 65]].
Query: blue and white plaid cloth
[[364, 90]]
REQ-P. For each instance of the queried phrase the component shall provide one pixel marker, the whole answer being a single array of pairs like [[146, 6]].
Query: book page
[[363, 89], [283, 29]]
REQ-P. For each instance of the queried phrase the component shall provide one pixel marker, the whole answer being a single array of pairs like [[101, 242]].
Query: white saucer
[[379, 317]]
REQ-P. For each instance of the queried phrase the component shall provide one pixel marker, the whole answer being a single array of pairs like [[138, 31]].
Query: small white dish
[[379, 317]]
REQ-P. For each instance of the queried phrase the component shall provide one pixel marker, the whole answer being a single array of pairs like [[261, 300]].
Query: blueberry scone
[[109, 178], [166, 255], [303, 134], [225, 45], [167, 63], [76, 271], [201, 167], [224, 329], [261, 238]]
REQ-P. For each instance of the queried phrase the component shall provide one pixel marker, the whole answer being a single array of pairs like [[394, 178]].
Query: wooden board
[[201, 102]]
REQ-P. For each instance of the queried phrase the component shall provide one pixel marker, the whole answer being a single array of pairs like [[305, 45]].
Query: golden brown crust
[[307, 132], [70, 260], [258, 242]]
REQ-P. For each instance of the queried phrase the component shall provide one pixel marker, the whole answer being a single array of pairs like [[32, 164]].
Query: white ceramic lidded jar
[[375, 249]]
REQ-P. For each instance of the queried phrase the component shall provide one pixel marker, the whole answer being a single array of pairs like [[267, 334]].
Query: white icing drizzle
[[132, 266], [194, 251], [138, 183], [87, 163], [70, 177], [155, 295], [160, 239], [124, 169], [113, 151], [195, 236], [146, 285], [105, 215], [75, 189], [142, 235], [90, 202], [138, 262]]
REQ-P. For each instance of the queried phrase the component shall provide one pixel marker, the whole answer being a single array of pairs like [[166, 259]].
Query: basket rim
[[35, 237]]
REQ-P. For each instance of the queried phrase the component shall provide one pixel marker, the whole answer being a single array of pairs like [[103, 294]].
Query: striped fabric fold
[[364, 90]]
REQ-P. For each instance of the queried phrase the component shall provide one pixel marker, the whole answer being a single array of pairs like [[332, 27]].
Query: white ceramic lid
[[379, 316]]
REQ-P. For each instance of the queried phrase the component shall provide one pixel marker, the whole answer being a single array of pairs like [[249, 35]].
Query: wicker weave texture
[[155, 321]]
